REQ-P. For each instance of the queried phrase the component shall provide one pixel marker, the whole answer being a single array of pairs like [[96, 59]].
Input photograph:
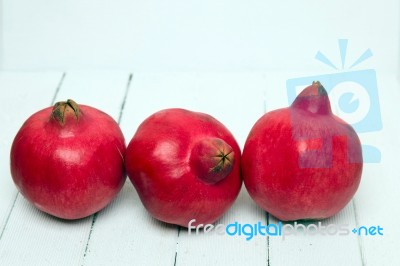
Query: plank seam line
[[16, 195], [360, 242], [177, 244], [58, 88], [264, 102], [95, 215], [128, 85], [90, 235], [9, 214]]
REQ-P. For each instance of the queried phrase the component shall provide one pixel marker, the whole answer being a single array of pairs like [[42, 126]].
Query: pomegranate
[[302, 162], [68, 160], [184, 165]]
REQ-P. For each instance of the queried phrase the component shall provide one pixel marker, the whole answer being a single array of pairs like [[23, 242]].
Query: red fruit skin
[[159, 164], [69, 171], [302, 162]]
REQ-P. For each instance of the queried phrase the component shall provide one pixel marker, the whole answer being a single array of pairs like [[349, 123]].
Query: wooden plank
[[139, 238], [61, 242], [372, 205], [104, 90], [378, 196], [309, 249], [22, 94], [234, 99], [124, 234], [152, 92], [221, 249]]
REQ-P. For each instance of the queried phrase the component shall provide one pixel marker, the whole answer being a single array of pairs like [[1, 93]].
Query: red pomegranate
[[302, 162], [68, 160], [184, 165]]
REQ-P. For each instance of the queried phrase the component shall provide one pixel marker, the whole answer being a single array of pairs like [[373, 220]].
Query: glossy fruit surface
[[184, 165], [67, 160], [302, 162]]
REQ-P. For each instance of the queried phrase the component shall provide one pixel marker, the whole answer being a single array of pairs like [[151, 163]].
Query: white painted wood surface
[[124, 234]]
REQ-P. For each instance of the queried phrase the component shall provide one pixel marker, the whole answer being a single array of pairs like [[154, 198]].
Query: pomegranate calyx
[[313, 99], [212, 160], [224, 159], [64, 109]]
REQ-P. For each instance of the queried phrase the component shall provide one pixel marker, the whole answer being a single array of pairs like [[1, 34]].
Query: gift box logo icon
[[353, 95]]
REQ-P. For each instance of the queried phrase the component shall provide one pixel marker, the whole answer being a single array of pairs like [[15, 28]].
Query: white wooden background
[[231, 59], [124, 234]]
